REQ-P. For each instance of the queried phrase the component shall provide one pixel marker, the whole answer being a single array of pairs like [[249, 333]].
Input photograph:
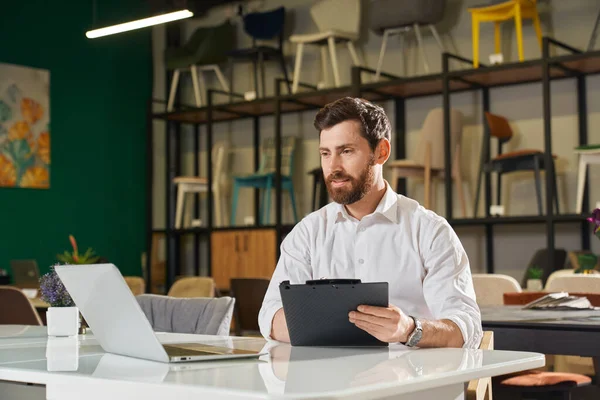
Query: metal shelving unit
[[576, 65]]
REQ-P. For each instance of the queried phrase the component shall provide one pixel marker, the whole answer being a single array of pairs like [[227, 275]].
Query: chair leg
[[421, 47], [499, 189], [173, 90], [428, 176], [475, 34], [217, 201], [403, 53], [221, 78], [478, 191], [234, 201], [437, 38], [261, 65], [555, 190], [202, 86], [519, 29], [255, 73], [297, 67], [194, 72], [353, 53], [324, 67], [334, 63], [592, 42], [293, 201], [267, 215], [386, 34], [285, 72], [538, 187], [581, 183], [179, 207], [538, 29], [497, 38], [461, 194]]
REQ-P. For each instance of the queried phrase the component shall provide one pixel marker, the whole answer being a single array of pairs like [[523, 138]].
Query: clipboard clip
[[333, 282]]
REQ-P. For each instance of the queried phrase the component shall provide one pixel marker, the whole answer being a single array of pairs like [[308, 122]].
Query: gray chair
[[393, 17], [203, 316]]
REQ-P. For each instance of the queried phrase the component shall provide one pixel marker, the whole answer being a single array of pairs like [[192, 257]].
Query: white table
[[80, 366]]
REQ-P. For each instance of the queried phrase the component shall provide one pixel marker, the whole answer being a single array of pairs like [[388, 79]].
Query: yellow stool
[[497, 13]]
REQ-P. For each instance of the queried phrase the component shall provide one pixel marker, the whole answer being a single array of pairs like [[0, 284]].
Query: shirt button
[[362, 229], [361, 261]]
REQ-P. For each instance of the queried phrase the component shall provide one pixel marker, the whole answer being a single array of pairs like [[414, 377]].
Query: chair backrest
[[249, 294], [220, 157], [498, 127], [267, 162], [588, 283], [490, 288], [212, 42], [265, 25], [432, 132], [16, 309], [390, 14], [193, 286], [136, 284], [481, 389], [540, 260], [201, 316], [341, 15]]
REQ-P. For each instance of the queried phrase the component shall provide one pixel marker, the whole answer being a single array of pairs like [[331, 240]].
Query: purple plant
[[53, 291], [595, 219]]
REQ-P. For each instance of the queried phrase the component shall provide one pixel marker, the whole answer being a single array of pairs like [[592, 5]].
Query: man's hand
[[388, 324]]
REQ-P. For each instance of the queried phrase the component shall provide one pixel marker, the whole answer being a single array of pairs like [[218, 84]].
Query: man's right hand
[[279, 329]]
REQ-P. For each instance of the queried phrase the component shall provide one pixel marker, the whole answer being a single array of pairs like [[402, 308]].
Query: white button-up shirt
[[402, 243]]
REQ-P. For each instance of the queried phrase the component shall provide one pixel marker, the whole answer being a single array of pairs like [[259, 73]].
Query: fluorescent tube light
[[140, 23]]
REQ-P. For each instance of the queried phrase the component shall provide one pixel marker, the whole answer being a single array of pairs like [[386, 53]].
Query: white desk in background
[[79, 368]]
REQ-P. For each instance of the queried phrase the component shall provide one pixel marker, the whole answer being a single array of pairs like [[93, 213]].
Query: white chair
[[428, 162], [196, 184], [567, 281], [338, 21], [490, 288], [392, 17], [587, 155]]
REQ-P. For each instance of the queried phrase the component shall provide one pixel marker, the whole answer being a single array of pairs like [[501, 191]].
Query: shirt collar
[[386, 207]]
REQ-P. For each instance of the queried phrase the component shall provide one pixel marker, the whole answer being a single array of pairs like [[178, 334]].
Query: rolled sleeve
[[448, 285], [293, 265]]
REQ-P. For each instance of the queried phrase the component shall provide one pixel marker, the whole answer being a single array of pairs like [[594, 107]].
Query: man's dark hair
[[374, 123]]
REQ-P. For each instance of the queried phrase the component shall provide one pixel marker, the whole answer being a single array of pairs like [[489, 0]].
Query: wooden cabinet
[[248, 253]]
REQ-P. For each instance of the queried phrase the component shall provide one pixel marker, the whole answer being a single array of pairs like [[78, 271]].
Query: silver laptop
[[119, 323], [26, 273]]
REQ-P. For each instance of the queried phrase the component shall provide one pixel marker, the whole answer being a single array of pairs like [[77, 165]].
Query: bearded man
[[371, 233]]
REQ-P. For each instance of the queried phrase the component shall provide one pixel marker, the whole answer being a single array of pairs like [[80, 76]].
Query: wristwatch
[[416, 334]]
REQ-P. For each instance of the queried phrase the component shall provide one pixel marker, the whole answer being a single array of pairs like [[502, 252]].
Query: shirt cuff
[[471, 335]]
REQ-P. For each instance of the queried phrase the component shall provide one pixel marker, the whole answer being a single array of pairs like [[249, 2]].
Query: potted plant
[[89, 257], [588, 261], [534, 278], [62, 316]]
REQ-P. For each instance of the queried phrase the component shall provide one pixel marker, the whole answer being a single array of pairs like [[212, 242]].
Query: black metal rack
[[575, 65]]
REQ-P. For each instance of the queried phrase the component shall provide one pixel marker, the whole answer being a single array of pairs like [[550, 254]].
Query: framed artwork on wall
[[24, 127]]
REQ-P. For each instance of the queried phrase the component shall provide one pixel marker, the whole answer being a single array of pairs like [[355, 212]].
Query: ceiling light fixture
[[140, 23]]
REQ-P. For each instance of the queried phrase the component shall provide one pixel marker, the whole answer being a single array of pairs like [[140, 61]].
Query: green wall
[[98, 97]]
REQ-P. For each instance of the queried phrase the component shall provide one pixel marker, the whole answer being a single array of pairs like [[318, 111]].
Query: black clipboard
[[316, 312]]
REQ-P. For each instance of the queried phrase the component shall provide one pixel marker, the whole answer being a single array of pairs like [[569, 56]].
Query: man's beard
[[359, 187]]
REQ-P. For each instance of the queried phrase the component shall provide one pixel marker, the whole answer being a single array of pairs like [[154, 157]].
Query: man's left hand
[[388, 324]]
